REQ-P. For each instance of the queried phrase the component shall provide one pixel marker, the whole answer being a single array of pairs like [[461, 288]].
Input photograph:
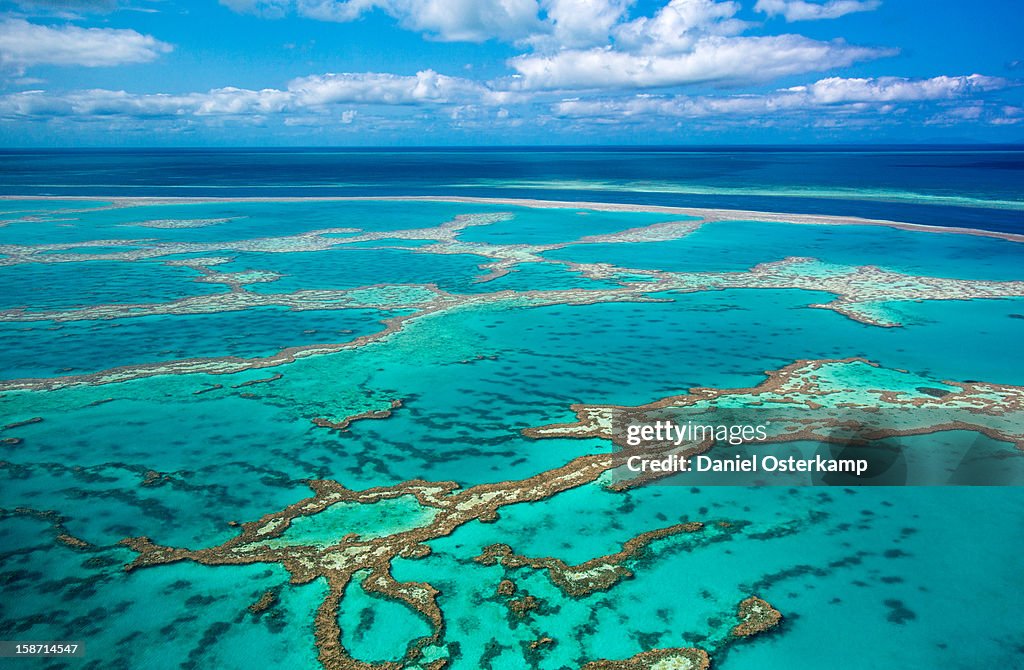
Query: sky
[[145, 73]]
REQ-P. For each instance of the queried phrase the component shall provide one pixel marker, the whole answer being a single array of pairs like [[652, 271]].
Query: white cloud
[[584, 44], [679, 25], [580, 23], [23, 44], [897, 89], [712, 59], [445, 20], [833, 94], [802, 10], [331, 97], [313, 94], [428, 100], [426, 86], [468, 20], [685, 42]]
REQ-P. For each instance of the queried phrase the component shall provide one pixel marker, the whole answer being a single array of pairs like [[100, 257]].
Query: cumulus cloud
[[711, 59], [580, 23], [335, 98], [897, 89], [301, 96], [467, 20], [802, 10], [679, 25], [834, 93], [425, 86], [24, 44], [539, 22], [445, 20], [583, 44], [685, 42]]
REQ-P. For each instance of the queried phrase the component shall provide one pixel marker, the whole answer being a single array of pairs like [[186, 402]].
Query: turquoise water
[[539, 277], [50, 348], [895, 577], [368, 520], [838, 559], [554, 226], [343, 267], [48, 286], [725, 246]]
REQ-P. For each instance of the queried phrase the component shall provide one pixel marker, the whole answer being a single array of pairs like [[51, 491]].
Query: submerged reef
[[340, 561], [866, 294], [597, 574], [368, 560], [354, 412], [347, 421], [848, 401]]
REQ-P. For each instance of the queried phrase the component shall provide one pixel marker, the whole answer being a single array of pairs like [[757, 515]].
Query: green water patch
[[368, 520], [471, 379]]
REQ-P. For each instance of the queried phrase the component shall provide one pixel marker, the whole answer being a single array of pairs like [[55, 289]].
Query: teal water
[[385, 517], [859, 566], [554, 226], [729, 246], [343, 267], [50, 348], [539, 277], [896, 578], [50, 286]]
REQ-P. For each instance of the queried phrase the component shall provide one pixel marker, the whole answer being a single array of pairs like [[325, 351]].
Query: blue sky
[[482, 72]]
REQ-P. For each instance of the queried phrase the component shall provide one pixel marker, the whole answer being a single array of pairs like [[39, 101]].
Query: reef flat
[[389, 433], [864, 293]]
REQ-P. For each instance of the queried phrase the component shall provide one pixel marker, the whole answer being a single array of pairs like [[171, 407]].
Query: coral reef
[[755, 616]]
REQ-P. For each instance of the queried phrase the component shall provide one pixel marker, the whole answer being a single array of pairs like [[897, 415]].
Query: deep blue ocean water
[[957, 185]]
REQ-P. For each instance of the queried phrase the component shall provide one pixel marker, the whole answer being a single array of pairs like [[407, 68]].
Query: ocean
[[304, 417]]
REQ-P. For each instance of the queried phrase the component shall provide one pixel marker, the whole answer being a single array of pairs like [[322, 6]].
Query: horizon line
[[541, 147]]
